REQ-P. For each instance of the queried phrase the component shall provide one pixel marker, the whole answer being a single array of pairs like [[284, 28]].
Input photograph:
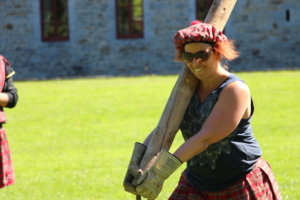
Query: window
[[287, 15], [129, 18], [54, 20], [202, 8]]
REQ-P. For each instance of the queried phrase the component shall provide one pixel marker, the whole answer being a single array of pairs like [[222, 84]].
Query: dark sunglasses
[[203, 55]]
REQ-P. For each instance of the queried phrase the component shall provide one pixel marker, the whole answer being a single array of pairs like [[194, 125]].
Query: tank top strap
[[231, 78]]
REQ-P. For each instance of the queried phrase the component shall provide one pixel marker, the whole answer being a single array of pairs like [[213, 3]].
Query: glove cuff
[[166, 163], [138, 152]]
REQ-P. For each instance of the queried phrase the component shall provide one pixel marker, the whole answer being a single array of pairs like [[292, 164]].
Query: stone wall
[[262, 34]]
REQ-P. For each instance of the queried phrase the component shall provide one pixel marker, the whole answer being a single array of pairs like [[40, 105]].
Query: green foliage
[[72, 139]]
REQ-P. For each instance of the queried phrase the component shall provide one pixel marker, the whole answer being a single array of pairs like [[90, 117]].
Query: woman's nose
[[196, 61]]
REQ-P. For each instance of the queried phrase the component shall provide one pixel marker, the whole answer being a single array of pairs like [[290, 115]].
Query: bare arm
[[3, 99], [230, 108]]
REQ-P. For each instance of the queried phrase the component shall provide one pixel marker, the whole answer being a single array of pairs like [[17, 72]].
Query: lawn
[[72, 139]]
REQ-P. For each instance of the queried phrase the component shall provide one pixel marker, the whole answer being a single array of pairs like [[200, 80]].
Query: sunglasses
[[203, 55]]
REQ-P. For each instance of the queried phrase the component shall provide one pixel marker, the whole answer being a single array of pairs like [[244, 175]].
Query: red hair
[[226, 50]]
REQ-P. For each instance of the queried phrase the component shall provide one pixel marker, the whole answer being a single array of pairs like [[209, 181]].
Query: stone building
[[63, 38]]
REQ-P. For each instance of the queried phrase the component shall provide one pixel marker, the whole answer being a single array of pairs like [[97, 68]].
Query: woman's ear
[[218, 56]]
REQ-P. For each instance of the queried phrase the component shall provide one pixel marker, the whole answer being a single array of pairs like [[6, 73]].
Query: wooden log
[[182, 92]]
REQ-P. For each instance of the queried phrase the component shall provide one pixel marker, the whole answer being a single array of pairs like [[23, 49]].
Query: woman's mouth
[[199, 69]]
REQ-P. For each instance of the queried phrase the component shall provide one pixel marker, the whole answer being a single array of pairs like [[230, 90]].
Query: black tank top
[[224, 162]]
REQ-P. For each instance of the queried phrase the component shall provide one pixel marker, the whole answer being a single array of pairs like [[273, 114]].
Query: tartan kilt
[[259, 184], [7, 176]]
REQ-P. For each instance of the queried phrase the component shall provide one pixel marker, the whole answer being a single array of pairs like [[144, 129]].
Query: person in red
[[223, 158], [9, 99]]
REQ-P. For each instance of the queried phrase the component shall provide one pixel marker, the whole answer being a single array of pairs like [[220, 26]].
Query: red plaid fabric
[[198, 32], [6, 169], [259, 184]]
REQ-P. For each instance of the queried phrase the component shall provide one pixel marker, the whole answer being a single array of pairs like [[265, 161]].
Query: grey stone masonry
[[265, 32]]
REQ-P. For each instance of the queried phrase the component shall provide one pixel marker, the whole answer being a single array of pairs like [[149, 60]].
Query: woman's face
[[202, 69]]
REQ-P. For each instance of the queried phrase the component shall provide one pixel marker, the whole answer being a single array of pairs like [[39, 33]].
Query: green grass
[[72, 139]]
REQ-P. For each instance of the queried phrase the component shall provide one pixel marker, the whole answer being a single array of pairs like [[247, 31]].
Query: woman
[[223, 158], [9, 99]]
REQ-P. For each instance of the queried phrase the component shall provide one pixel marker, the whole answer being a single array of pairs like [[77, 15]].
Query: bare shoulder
[[236, 89]]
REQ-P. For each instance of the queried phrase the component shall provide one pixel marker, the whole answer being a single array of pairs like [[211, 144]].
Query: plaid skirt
[[7, 176], [259, 184]]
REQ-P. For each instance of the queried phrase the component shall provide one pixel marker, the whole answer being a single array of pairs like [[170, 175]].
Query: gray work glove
[[134, 171], [151, 182]]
